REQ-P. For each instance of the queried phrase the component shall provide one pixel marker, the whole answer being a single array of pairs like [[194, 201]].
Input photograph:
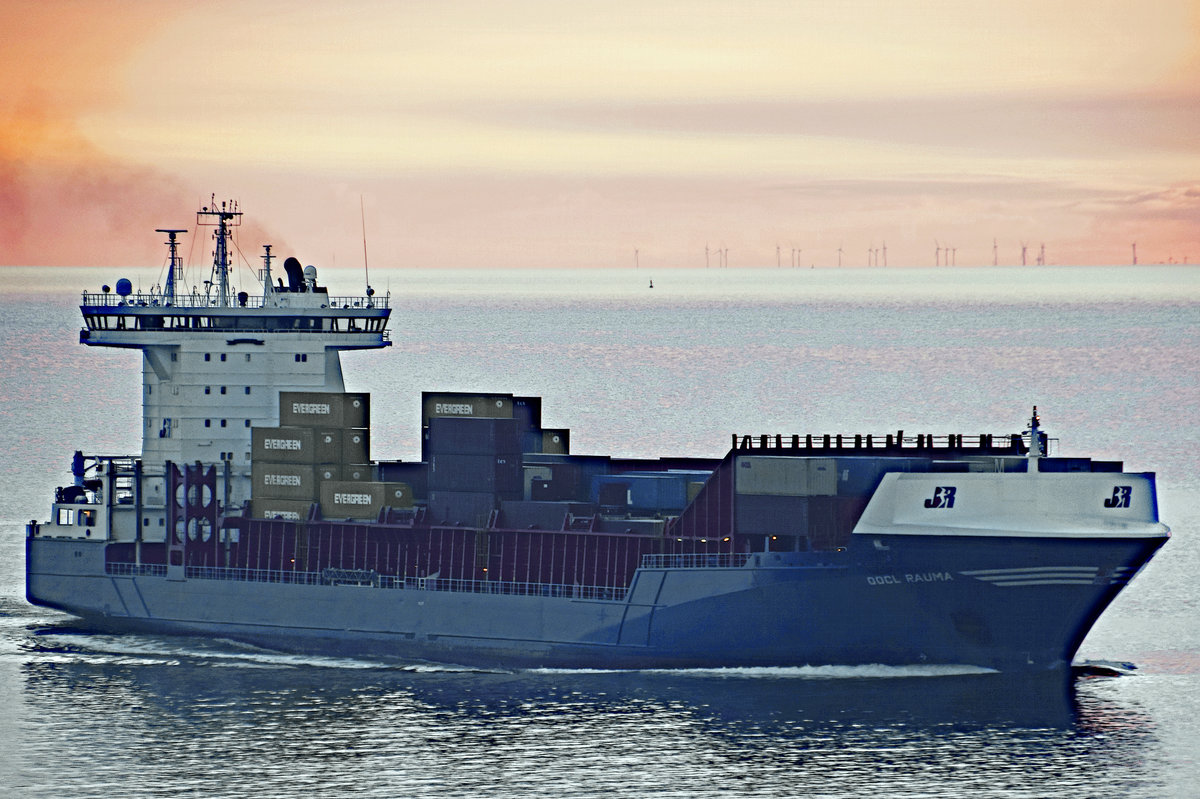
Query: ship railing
[[696, 560], [135, 569], [507, 588], [899, 439], [189, 300], [370, 578]]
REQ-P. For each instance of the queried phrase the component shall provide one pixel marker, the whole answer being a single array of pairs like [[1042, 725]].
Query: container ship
[[257, 512]]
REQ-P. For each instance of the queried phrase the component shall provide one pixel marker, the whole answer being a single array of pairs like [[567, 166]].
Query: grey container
[[472, 436], [460, 508], [492, 473]]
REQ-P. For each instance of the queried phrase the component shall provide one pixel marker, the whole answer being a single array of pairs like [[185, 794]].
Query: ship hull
[[1010, 604]]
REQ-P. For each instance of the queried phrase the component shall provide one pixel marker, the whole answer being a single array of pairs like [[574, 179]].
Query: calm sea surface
[[1111, 357]]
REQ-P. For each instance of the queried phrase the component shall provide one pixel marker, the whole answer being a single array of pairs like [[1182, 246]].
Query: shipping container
[[522, 515], [771, 475], [472, 436], [283, 445], [328, 446], [359, 472], [356, 446], [771, 514], [648, 492], [556, 442], [529, 474], [861, 476], [822, 477], [362, 501], [415, 473], [471, 406], [528, 413], [329, 471], [295, 510], [283, 481], [501, 474], [324, 409], [465, 508], [780, 475]]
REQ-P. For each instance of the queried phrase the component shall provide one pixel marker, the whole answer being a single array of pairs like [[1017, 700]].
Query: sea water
[[1111, 357]]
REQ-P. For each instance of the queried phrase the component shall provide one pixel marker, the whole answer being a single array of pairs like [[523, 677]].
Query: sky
[[618, 134]]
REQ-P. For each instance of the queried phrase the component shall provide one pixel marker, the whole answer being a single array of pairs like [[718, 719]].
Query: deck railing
[[185, 301], [361, 578], [696, 560], [897, 440]]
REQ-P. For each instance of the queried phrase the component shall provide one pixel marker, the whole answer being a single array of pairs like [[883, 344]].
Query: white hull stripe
[[1037, 575]]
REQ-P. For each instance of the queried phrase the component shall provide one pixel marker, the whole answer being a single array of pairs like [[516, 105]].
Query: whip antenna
[[366, 273]]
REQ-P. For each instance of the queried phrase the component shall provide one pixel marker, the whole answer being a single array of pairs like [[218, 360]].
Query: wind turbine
[[1042, 256], [885, 253], [778, 263], [937, 253], [995, 254], [1135, 253], [1023, 253], [839, 255]]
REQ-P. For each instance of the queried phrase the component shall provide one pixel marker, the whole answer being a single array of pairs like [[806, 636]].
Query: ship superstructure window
[[247, 357], [222, 423], [208, 356], [222, 357], [222, 387], [208, 422], [208, 389], [247, 423], [247, 389], [301, 357]]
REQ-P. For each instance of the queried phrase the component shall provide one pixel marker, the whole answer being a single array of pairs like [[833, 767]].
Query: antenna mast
[[267, 287], [175, 269], [226, 217], [366, 275]]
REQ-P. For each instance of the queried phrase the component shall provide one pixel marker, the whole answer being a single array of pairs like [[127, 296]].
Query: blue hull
[[1002, 603]]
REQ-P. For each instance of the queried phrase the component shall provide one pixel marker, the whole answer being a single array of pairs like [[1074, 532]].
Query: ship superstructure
[[256, 511], [214, 362]]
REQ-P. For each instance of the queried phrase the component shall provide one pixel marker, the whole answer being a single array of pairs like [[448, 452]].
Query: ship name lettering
[[929, 577], [282, 443], [352, 499], [321, 408], [281, 479], [454, 408], [883, 579]]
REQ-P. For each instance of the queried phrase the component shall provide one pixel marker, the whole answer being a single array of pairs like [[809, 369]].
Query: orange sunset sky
[[542, 134]]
